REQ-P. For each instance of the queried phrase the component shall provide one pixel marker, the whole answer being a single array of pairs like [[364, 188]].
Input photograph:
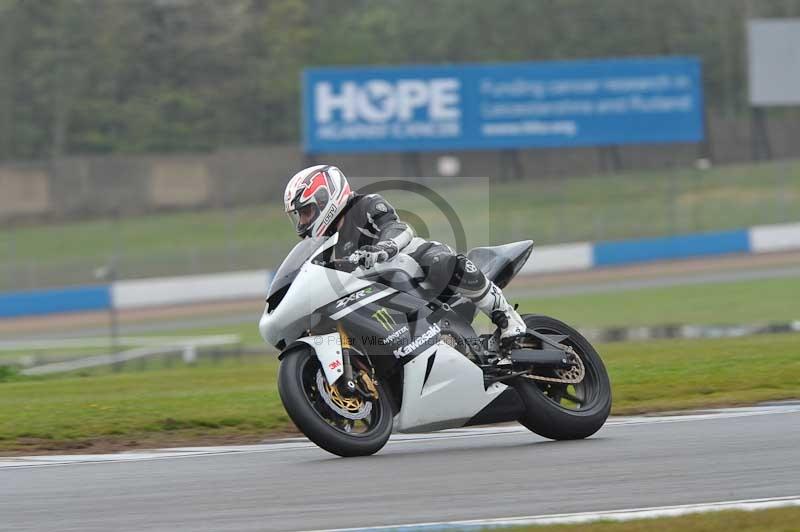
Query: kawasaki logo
[[386, 320], [353, 297], [427, 336]]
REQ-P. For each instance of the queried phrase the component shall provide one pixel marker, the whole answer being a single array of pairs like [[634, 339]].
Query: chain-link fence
[[650, 204]]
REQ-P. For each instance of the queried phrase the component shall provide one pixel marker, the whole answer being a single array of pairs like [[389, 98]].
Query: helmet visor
[[303, 218]]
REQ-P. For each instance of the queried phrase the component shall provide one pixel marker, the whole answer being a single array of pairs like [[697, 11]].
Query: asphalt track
[[469, 474]]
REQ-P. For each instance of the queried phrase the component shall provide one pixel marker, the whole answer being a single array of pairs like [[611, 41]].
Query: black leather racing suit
[[369, 219]]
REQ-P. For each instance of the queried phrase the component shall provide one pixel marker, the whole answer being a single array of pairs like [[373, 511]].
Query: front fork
[[351, 383], [347, 366]]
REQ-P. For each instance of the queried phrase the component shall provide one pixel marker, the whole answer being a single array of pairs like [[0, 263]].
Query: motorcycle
[[366, 352]]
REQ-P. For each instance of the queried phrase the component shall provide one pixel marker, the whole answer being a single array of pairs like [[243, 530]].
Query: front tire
[[298, 387], [566, 412]]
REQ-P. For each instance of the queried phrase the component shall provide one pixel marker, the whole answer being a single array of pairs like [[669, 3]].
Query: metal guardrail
[[87, 342], [188, 347], [688, 332]]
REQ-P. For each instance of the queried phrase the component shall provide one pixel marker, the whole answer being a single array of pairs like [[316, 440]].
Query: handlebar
[[343, 262], [345, 265]]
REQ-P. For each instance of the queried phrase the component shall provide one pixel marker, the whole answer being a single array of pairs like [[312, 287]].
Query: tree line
[[138, 76]]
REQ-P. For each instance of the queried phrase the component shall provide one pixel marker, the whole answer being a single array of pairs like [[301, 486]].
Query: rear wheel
[[340, 424], [562, 411]]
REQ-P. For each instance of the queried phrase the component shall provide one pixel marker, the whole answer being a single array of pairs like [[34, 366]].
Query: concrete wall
[[95, 186]]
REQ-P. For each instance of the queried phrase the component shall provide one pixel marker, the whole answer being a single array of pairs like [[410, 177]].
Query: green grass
[[772, 520], [670, 374], [648, 203], [239, 399], [550, 210], [230, 397], [752, 302]]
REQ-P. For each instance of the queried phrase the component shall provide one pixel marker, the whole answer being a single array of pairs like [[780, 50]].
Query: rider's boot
[[494, 304]]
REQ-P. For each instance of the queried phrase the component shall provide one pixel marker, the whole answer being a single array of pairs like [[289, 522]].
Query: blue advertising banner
[[503, 105]]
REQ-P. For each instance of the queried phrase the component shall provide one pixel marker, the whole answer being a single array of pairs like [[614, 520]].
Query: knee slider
[[442, 269], [466, 274]]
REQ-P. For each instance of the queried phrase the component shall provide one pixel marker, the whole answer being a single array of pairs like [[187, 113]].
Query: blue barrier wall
[[77, 299], [670, 248]]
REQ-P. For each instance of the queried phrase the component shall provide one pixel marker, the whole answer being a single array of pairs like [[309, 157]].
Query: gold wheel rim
[[349, 404]]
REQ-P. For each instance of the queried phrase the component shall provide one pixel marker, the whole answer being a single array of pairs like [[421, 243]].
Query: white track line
[[303, 444], [587, 517]]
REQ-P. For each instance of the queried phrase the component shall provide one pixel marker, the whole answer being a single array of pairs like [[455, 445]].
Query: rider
[[320, 202]]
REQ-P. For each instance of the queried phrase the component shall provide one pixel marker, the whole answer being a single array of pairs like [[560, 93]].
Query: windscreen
[[288, 269]]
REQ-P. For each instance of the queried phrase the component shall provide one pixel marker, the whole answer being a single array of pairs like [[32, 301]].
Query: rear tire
[[298, 399], [547, 416]]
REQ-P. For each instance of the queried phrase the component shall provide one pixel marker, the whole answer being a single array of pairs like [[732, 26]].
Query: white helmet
[[315, 197]]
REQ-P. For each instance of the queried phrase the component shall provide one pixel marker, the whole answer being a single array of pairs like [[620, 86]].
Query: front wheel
[[565, 411], [340, 424]]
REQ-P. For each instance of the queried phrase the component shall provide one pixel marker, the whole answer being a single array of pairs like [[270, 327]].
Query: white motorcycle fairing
[[314, 287], [328, 348], [441, 387], [445, 396]]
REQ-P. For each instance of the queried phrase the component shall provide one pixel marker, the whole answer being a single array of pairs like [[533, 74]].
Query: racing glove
[[369, 256]]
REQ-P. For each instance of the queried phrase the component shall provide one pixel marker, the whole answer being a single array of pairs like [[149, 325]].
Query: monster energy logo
[[386, 320]]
